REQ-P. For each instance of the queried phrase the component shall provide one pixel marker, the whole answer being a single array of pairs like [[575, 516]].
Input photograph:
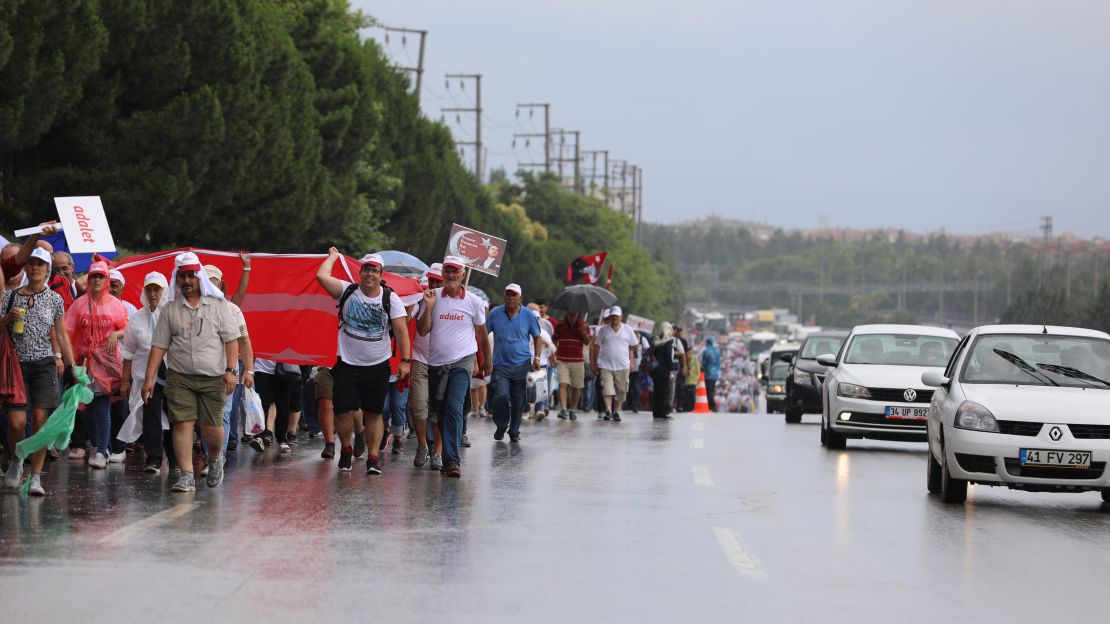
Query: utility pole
[[638, 198], [477, 110], [546, 133], [577, 159], [1046, 229], [419, 69], [605, 172], [1098, 263], [620, 166]]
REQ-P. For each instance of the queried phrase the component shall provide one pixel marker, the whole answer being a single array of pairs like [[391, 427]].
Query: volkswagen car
[[1024, 407], [873, 388], [807, 375]]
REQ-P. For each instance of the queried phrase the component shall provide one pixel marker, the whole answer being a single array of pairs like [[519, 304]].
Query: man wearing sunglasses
[[367, 328]]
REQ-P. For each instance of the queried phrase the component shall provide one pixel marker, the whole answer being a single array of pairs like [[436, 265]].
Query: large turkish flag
[[289, 315]]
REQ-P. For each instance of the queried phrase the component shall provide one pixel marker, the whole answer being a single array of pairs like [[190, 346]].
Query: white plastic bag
[[255, 419]]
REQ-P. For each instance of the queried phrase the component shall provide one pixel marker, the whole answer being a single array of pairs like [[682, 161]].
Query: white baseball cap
[[116, 276], [187, 261], [372, 258], [454, 261], [514, 288], [41, 254], [615, 311], [435, 271]]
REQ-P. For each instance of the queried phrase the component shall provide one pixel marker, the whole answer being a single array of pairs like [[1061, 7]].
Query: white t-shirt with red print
[[452, 335]]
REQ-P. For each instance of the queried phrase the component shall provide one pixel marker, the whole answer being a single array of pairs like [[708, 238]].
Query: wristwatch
[[58, 355], [229, 370]]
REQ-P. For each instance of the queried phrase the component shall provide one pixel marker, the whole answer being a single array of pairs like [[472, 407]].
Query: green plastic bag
[[56, 431]]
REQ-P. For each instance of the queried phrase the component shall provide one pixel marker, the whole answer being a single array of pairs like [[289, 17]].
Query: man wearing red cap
[[361, 372], [198, 333], [455, 323]]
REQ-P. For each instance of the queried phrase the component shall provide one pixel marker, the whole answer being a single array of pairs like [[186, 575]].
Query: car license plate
[[907, 413], [1065, 459]]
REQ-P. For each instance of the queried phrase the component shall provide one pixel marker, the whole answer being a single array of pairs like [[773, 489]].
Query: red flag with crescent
[[290, 317]]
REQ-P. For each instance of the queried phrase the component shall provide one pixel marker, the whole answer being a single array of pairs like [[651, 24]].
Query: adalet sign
[[84, 224]]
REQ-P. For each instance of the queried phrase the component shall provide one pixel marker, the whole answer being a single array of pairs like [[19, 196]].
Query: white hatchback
[[873, 388], [1027, 407]]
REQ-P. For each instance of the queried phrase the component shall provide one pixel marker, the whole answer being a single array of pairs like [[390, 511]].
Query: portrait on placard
[[481, 251]]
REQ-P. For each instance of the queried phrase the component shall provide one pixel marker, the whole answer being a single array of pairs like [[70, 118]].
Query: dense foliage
[[269, 126], [888, 276]]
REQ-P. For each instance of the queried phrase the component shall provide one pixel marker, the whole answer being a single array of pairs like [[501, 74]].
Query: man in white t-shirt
[[611, 355], [361, 371], [418, 398], [455, 322]]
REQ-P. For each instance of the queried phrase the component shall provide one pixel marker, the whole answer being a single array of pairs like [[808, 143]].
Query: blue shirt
[[711, 362], [512, 336]]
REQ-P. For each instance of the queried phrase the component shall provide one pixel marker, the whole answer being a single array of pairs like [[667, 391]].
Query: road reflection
[[843, 478]]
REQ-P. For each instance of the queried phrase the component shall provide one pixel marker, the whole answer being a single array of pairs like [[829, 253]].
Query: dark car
[[803, 383], [776, 386]]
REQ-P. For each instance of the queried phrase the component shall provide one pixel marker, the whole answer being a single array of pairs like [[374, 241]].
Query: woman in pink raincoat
[[95, 324]]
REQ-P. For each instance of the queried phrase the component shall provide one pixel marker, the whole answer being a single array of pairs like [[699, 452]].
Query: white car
[[1027, 407], [873, 388]]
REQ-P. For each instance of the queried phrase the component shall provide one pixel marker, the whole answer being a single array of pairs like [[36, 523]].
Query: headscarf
[[188, 261], [154, 277]]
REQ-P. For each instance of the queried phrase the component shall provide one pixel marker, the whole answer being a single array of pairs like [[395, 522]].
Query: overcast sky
[[972, 115]]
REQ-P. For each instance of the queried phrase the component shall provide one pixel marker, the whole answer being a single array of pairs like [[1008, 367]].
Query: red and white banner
[[289, 315], [84, 224]]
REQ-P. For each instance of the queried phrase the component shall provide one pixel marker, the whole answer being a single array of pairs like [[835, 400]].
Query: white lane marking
[[736, 551], [135, 529], [699, 426], [697, 443], [702, 476]]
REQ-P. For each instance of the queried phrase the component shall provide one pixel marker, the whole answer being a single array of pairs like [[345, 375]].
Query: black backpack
[[387, 293]]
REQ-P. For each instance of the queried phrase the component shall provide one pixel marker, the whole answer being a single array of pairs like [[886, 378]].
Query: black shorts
[[40, 379], [362, 387]]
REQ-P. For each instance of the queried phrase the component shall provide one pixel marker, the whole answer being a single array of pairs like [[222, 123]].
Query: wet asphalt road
[[736, 517]]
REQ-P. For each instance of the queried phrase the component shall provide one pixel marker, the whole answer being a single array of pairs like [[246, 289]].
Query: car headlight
[[852, 391], [803, 378], [975, 417], [777, 389]]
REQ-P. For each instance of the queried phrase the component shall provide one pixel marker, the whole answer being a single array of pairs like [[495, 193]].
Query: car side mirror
[[827, 359], [934, 379], [786, 357]]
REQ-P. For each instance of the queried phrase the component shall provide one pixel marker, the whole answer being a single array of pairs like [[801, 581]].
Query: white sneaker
[[14, 476], [117, 458], [98, 461], [35, 488]]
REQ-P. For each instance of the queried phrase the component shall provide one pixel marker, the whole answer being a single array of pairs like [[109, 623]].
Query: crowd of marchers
[[173, 381]]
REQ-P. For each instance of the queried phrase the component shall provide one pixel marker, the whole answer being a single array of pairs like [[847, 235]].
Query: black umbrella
[[583, 298]]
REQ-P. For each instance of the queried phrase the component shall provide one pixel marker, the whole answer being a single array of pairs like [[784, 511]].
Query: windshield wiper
[[1074, 373], [1023, 365]]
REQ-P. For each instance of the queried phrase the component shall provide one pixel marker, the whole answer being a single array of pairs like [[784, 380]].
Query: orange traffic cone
[[701, 400]]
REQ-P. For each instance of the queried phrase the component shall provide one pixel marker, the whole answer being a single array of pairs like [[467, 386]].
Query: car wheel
[[793, 414], [932, 481], [835, 440], [1106, 496], [951, 490], [824, 431]]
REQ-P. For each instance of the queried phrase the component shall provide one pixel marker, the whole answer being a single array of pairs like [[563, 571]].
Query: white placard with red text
[[640, 323], [84, 224]]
